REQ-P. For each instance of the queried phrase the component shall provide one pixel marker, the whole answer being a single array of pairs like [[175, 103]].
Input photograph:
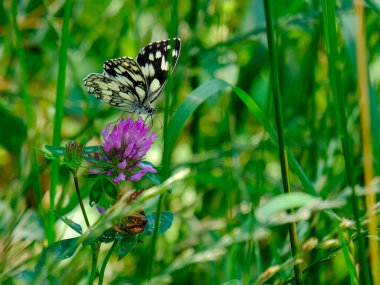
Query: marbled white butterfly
[[133, 85]]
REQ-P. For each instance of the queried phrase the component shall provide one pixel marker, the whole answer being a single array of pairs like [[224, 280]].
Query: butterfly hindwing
[[157, 61], [110, 91]]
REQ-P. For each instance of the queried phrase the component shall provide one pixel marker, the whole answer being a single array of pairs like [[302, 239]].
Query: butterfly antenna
[[161, 123], [114, 122], [151, 121]]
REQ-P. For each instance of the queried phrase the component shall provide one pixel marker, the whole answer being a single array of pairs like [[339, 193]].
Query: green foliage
[[58, 251], [125, 245], [229, 218], [13, 131], [76, 227], [166, 221]]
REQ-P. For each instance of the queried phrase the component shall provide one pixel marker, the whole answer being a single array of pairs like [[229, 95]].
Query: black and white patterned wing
[[157, 61], [126, 71], [111, 91]]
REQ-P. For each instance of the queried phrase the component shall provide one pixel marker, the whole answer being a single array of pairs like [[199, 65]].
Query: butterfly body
[[134, 85]]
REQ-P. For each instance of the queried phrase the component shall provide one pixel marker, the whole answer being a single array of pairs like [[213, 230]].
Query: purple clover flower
[[124, 148]]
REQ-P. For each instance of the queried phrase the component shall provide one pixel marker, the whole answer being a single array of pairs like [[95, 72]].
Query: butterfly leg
[[151, 121]]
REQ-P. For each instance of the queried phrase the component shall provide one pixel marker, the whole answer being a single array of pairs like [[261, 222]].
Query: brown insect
[[134, 224]]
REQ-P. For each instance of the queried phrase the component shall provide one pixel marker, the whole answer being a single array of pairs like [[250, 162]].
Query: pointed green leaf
[[76, 227], [57, 150], [96, 162], [96, 192], [110, 188], [186, 109], [48, 155], [91, 149], [280, 203], [58, 251], [155, 178]]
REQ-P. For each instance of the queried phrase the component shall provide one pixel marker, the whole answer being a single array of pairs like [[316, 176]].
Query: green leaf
[[154, 178], [57, 150], [205, 91], [110, 188], [108, 236], [125, 245], [188, 106], [265, 213], [58, 251], [13, 131], [76, 227], [91, 149], [97, 162], [165, 223], [96, 191], [49, 155]]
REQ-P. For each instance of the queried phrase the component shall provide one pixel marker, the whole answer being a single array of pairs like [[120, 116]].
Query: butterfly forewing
[[128, 73], [157, 61]]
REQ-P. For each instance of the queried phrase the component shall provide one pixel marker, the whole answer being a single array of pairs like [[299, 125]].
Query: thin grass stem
[[105, 262], [328, 12], [370, 198], [280, 131], [59, 113], [165, 154]]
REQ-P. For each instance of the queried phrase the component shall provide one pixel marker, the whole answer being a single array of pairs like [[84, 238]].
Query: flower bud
[[73, 155]]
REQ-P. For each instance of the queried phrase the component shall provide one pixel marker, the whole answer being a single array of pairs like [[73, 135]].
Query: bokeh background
[[234, 166]]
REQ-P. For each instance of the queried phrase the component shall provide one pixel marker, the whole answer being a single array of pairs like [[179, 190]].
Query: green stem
[[166, 151], [95, 254], [280, 131], [29, 118], [80, 198], [59, 112], [96, 246], [102, 270], [334, 60], [346, 254], [154, 237]]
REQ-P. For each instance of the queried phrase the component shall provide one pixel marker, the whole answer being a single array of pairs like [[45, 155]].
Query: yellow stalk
[[366, 136]]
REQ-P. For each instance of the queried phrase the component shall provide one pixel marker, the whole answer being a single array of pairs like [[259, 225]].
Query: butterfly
[[133, 85]]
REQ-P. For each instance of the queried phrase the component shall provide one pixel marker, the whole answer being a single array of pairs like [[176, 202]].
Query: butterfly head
[[150, 111]]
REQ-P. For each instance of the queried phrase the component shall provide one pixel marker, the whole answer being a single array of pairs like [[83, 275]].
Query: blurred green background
[[216, 237]]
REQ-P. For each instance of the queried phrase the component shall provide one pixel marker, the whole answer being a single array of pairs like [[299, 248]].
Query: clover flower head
[[124, 147], [74, 154]]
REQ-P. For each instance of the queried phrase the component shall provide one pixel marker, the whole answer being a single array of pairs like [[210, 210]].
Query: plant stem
[[94, 247], [95, 253], [166, 151], [334, 60], [280, 131], [80, 199], [346, 254], [367, 149], [101, 274], [59, 113]]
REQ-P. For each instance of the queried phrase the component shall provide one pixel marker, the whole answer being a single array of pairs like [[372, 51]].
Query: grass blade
[[59, 112], [365, 112], [334, 59]]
